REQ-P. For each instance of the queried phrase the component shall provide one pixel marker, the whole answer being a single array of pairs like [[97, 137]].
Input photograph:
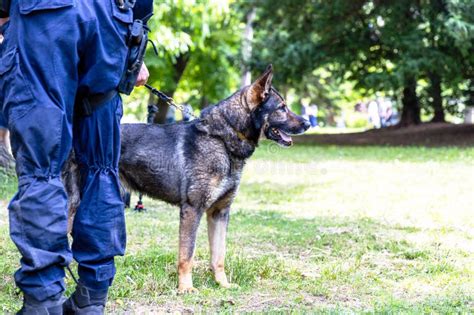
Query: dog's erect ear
[[260, 89]]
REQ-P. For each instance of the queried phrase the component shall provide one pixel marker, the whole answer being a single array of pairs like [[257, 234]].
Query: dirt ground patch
[[430, 135]]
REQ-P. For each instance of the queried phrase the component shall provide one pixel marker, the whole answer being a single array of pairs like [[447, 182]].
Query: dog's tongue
[[285, 137]]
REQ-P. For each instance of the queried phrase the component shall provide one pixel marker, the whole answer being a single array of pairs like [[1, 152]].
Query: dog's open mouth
[[280, 137]]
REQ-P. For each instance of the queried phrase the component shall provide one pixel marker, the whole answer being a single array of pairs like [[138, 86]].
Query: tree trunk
[[437, 102], [204, 102], [179, 68], [152, 108], [411, 106], [160, 116], [470, 93], [247, 48]]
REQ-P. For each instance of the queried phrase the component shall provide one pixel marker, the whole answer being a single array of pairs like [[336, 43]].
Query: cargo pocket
[[29, 6], [15, 94], [123, 20]]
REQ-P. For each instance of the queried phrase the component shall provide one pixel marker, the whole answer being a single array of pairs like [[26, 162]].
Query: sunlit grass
[[327, 229], [335, 130]]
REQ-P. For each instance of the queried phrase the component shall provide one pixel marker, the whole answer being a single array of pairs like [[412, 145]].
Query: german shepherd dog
[[197, 165]]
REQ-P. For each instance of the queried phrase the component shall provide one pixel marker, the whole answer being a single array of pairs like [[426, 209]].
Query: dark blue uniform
[[54, 52]]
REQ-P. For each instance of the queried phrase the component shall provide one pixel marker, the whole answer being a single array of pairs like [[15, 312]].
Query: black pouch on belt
[[137, 42], [4, 8]]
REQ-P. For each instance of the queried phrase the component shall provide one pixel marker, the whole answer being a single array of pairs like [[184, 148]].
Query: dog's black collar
[[239, 134]]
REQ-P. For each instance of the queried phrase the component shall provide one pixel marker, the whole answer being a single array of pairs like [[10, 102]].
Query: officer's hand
[[2, 21], [142, 76]]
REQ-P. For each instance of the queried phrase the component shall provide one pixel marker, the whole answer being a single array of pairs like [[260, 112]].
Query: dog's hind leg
[[71, 177], [188, 225], [217, 222]]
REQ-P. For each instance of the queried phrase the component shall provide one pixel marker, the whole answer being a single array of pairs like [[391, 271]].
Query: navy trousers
[[52, 51]]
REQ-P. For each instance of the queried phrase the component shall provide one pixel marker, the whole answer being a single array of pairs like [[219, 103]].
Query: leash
[[168, 100]]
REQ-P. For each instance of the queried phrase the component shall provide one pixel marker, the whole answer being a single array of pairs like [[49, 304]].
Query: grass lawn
[[314, 228]]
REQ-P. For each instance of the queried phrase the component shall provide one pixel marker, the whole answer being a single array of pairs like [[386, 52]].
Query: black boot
[[85, 302], [51, 306]]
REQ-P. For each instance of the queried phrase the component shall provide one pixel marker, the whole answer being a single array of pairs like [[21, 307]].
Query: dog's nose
[[306, 124]]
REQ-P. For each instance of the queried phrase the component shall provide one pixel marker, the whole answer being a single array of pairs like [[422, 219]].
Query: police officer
[[55, 56]]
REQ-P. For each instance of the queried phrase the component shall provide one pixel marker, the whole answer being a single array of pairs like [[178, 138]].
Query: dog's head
[[270, 112]]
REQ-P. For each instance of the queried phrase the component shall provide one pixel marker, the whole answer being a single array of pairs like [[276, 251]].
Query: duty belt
[[88, 104]]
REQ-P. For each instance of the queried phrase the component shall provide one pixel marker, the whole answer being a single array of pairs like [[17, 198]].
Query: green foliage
[[197, 43], [357, 120], [8, 184], [377, 45], [333, 53], [460, 24]]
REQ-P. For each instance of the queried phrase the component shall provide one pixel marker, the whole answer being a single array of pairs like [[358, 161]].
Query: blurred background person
[[188, 112], [382, 106], [170, 115], [312, 112], [373, 111], [304, 111]]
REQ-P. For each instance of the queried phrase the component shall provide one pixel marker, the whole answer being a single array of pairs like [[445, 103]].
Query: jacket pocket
[[15, 93], [28, 6]]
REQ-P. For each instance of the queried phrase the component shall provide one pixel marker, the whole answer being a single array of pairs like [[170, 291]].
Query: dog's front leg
[[188, 225], [217, 222]]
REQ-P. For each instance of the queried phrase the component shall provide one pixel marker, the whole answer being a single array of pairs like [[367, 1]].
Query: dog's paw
[[221, 279], [188, 290], [224, 284]]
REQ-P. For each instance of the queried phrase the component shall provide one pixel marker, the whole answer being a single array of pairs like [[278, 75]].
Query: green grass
[[8, 184], [314, 229]]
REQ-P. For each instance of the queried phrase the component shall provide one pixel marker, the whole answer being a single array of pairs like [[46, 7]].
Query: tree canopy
[[329, 52]]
